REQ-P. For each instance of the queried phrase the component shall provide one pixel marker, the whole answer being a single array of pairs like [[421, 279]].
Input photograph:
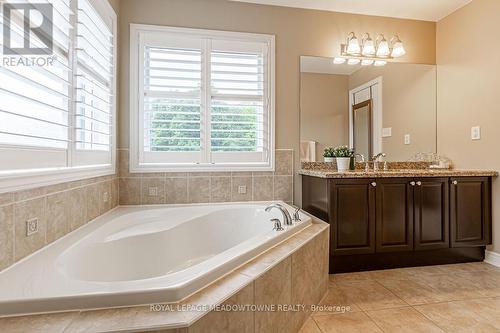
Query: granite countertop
[[329, 173]]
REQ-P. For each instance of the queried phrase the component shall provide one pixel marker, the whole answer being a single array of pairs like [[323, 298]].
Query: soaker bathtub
[[141, 255]]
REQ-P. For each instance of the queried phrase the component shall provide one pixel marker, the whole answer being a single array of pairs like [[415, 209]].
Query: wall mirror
[[390, 109]]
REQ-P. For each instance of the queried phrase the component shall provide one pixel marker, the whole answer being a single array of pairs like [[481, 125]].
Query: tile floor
[[446, 298]]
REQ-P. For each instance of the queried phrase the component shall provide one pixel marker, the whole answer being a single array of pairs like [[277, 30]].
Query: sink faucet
[[286, 215], [375, 159]]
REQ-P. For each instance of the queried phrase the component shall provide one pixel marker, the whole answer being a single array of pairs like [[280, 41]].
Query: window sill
[[26, 179]]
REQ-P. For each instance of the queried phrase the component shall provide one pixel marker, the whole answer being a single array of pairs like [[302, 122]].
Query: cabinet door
[[431, 213], [470, 211], [315, 196], [394, 215], [352, 216]]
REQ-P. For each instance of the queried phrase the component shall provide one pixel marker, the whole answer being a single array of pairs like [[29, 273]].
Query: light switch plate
[[31, 226], [153, 191], [407, 139], [242, 189], [386, 132], [475, 133]]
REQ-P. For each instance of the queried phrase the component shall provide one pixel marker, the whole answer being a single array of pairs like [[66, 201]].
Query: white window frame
[[21, 179], [136, 165]]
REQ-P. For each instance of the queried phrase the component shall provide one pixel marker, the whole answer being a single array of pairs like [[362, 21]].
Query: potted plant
[[329, 155], [343, 155]]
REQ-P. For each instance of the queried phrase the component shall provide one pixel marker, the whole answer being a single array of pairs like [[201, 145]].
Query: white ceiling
[[427, 10]]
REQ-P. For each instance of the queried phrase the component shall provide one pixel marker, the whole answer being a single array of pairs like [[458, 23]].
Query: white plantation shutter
[[204, 100], [35, 100], [172, 102], [239, 110], [94, 85]]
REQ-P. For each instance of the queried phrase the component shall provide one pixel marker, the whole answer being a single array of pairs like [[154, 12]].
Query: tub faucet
[[286, 215], [277, 225]]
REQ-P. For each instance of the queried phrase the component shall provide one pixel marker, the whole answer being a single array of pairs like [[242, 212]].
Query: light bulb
[[398, 50], [379, 63], [353, 61], [383, 49], [353, 45], [338, 60], [366, 62], [368, 47]]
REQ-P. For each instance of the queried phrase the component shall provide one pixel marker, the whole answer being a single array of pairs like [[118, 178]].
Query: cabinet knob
[[412, 183], [419, 183], [455, 182], [374, 184]]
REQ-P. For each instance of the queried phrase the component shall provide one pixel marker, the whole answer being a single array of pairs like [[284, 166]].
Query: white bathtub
[[141, 255]]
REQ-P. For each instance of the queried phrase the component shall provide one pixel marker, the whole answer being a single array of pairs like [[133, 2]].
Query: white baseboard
[[492, 258]]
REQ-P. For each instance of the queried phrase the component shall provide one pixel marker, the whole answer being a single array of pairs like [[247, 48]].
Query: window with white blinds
[[94, 82], [205, 100], [56, 115]]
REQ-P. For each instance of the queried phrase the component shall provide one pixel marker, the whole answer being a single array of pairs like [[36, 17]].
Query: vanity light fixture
[[369, 52]]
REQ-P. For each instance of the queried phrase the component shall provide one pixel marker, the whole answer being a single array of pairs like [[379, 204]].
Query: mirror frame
[[356, 107]]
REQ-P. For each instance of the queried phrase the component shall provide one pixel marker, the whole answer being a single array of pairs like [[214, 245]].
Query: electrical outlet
[[242, 189], [386, 132], [31, 226], [407, 139], [105, 197], [153, 191], [475, 133]]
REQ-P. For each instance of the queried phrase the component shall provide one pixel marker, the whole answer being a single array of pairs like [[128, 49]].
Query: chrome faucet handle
[[296, 215], [277, 225]]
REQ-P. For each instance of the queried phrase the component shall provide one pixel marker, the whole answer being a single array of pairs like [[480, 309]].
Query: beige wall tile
[[229, 322], [283, 188], [309, 268], [130, 191], [284, 162], [274, 287], [24, 211], [123, 163], [220, 189], [6, 236], [104, 189], [93, 201], [199, 189], [263, 188], [29, 194], [57, 216], [176, 190], [241, 181], [114, 193], [159, 184], [77, 208]]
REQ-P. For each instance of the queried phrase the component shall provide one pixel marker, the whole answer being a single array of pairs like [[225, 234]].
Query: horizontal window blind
[[172, 99], [94, 80], [35, 100], [237, 106]]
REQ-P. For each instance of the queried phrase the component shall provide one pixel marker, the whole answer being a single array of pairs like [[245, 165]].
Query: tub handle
[[277, 225], [296, 215]]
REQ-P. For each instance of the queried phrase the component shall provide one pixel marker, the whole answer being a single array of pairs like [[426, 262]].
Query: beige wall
[[298, 32], [468, 83], [409, 106], [324, 111]]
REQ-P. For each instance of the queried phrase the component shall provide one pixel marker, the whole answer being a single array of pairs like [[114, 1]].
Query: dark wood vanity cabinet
[[470, 211], [397, 222], [352, 216]]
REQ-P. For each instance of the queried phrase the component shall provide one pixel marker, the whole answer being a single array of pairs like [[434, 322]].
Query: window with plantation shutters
[[205, 100], [94, 85], [57, 115]]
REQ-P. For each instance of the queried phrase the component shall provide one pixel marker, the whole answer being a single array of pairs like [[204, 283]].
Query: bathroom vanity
[[401, 218]]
